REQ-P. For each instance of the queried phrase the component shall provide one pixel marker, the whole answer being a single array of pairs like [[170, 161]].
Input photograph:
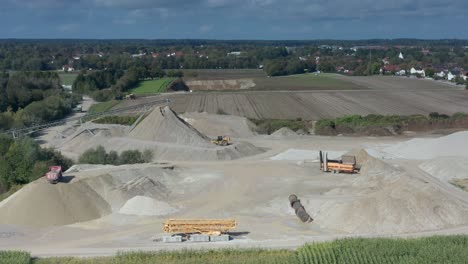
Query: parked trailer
[[54, 175], [347, 164]]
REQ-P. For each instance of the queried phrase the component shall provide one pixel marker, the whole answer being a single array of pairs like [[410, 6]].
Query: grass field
[[223, 74], [152, 86], [68, 78], [102, 107], [437, 249], [310, 81]]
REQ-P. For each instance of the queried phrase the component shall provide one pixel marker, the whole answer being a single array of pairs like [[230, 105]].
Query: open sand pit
[[146, 206], [284, 132], [167, 135]]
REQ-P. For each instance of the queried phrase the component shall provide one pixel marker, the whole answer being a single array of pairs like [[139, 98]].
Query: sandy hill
[[164, 133], [163, 125], [387, 200], [428, 148]]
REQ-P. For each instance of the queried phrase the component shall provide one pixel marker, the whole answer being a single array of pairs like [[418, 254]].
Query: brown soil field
[[380, 95], [316, 105]]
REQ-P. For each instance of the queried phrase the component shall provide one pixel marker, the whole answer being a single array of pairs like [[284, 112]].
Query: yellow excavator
[[222, 141]]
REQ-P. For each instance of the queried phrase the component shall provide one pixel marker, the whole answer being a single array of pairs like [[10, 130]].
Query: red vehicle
[[54, 175]]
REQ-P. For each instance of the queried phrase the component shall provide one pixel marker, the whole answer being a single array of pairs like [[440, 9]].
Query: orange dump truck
[[347, 164], [54, 175]]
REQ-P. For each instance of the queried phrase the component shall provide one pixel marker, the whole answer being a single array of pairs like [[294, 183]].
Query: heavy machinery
[[54, 175], [222, 141], [347, 164], [198, 230]]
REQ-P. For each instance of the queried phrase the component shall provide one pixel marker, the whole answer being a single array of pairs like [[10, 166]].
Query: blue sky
[[234, 19]]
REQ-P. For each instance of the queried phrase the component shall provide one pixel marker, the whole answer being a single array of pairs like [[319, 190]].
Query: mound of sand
[[284, 132], [91, 194], [447, 168], [42, 204], [428, 148], [146, 206], [164, 133], [389, 201], [220, 125], [163, 125]]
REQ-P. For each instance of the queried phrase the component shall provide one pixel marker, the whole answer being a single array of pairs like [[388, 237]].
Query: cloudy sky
[[234, 19]]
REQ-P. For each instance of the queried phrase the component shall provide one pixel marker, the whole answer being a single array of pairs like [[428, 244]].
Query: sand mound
[[447, 168], [42, 204], [284, 132], [163, 125], [91, 194], [146, 206], [389, 201], [218, 125], [164, 133], [428, 148]]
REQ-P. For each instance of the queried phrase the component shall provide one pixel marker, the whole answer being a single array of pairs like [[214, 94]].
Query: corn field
[[438, 249]]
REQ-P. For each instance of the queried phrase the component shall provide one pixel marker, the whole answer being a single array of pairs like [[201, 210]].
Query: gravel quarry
[[403, 188]]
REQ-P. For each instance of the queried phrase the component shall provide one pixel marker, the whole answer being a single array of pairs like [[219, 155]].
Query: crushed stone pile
[[163, 125], [387, 201], [41, 204], [284, 132], [146, 206], [428, 148], [447, 168], [164, 133], [89, 195]]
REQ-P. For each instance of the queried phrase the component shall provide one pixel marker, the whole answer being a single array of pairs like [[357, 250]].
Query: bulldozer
[[222, 141]]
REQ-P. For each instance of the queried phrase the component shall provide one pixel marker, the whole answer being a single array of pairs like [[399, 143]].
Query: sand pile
[[164, 133], [91, 194], [284, 132], [428, 148], [388, 201], [146, 206], [220, 125], [447, 168], [42, 204], [163, 125]]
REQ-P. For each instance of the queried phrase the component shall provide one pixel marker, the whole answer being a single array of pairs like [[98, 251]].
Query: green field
[[68, 78], [308, 81], [152, 86], [102, 107], [436, 249]]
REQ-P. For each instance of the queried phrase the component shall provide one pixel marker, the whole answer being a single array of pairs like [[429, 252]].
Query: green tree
[[94, 156]]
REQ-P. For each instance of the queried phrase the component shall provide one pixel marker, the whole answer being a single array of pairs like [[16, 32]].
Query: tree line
[[23, 161], [28, 98]]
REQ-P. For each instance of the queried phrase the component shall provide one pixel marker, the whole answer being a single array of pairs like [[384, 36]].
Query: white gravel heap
[[146, 206], [428, 148]]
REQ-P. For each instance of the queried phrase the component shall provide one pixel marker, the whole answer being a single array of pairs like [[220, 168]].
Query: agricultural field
[[102, 107], [438, 249], [253, 80], [313, 105], [68, 78], [152, 86]]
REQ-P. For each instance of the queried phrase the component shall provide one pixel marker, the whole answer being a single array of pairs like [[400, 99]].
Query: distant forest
[[43, 55]]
